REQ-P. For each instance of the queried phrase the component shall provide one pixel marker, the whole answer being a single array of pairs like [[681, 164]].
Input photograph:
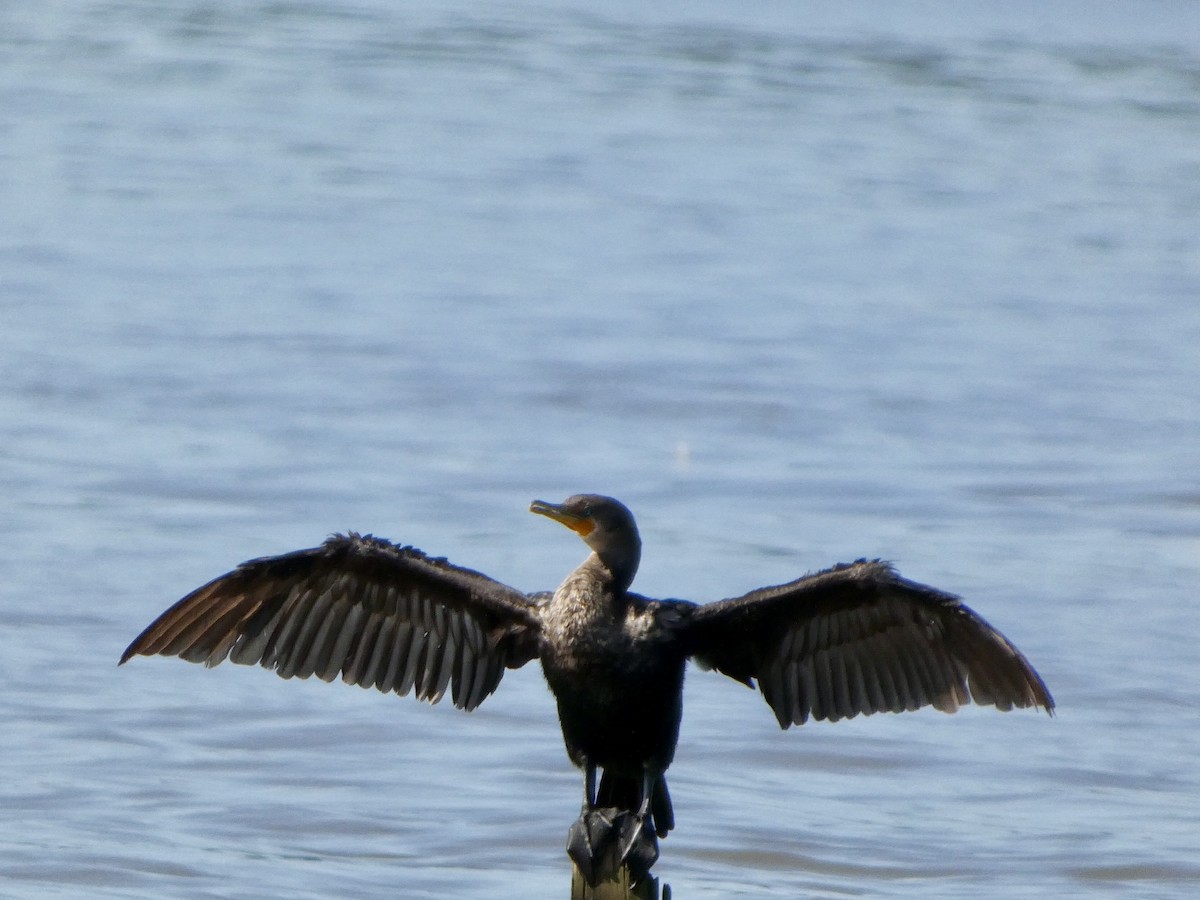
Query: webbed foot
[[590, 840], [603, 840], [639, 844]]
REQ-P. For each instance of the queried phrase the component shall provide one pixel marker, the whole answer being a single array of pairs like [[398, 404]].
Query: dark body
[[620, 691], [854, 639], [615, 662]]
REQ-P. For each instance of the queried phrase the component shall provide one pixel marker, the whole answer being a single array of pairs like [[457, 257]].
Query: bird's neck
[[615, 567], [595, 586]]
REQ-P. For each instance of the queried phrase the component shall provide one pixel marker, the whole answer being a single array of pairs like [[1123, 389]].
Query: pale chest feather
[[582, 626]]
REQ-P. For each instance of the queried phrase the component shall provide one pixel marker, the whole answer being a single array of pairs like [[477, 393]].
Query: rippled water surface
[[799, 286]]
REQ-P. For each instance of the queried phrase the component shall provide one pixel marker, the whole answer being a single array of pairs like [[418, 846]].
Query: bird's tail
[[625, 793]]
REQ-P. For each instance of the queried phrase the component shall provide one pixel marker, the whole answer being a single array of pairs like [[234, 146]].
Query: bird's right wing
[[381, 615], [859, 639]]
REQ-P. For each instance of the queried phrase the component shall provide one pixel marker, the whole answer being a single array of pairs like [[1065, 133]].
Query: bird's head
[[606, 525]]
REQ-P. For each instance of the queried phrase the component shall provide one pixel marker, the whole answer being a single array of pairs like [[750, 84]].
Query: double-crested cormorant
[[856, 638]]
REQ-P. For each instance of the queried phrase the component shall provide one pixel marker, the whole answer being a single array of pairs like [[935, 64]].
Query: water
[[797, 285]]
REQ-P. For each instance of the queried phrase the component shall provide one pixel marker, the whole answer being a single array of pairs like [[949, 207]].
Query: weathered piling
[[617, 887]]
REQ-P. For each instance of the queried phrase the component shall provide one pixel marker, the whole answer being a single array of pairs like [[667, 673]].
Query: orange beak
[[582, 525]]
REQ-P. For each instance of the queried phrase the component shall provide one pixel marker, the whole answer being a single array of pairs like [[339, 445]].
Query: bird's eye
[[587, 511]]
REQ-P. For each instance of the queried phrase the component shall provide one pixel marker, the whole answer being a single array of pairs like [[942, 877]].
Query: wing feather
[[378, 614], [395, 656], [842, 689], [876, 700], [375, 650], [447, 658], [857, 686], [410, 662], [858, 639], [341, 656], [305, 653]]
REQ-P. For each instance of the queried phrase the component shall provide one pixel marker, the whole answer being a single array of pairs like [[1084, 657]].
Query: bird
[[853, 639]]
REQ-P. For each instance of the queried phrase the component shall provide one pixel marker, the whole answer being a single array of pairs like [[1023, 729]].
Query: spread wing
[[381, 615], [858, 638]]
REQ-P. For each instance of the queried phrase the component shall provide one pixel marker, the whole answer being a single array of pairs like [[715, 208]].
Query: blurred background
[[797, 284]]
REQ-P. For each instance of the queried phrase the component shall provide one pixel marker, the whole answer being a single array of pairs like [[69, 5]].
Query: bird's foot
[[590, 842], [603, 840], [639, 844]]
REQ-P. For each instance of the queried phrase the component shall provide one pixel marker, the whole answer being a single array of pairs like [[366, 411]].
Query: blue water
[[798, 285]]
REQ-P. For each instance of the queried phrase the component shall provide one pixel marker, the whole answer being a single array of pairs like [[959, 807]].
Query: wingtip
[[134, 649]]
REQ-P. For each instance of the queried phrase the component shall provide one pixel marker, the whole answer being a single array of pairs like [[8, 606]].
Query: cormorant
[[855, 638]]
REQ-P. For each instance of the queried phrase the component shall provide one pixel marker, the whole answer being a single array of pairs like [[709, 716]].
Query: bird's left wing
[[381, 615], [858, 638]]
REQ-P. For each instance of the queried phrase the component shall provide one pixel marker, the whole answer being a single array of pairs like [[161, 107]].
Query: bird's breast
[[579, 624], [617, 679]]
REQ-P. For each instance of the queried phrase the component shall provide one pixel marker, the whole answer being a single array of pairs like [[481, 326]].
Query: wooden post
[[617, 887]]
